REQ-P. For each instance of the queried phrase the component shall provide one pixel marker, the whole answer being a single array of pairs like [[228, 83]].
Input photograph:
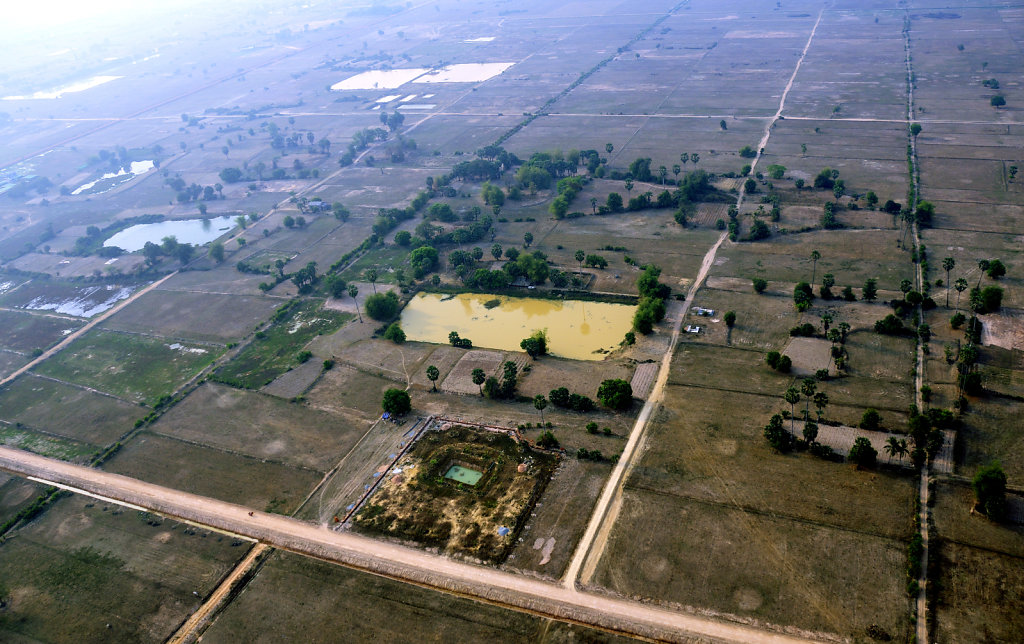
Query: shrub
[[870, 420], [862, 453], [394, 333]]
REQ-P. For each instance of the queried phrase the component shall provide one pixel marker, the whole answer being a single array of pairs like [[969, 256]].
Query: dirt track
[[387, 559]]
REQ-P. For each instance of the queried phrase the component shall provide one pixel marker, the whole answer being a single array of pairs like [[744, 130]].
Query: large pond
[[186, 231], [575, 329]]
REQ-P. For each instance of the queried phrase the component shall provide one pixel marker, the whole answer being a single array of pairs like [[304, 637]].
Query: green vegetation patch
[[136, 368], [482, 520], [46, 445], [274, 351]]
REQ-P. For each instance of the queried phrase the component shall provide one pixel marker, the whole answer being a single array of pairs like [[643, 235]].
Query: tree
[[810, 432], [496, 251], [996, 269], [759, 285], [722, 125], [780, 440], [217, 252], [870, 292], [948, 264], [479, 377], [394, 333], [960, 285], [382, 306], [915, 129], [559, 207], [802, 296], [862, 453], [870, 420], [536, 344], [547, 440], [820, 401], [403, 238], [353, 291], [433, 374], [527, 239], [371, 277], [997, 101], [396, 402], [539, 403], [807, 388], [792, 396], [983, 265], [730, 319], [615, 394], [614, 202], [815, 256], [892, 447], [608, 147], [990, 491]]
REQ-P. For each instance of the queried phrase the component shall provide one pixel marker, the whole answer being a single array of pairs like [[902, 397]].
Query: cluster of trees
[[168, 247], [562, 397], [651, 308], [456, 341], [305, 278], [506, 387], [194, 191]]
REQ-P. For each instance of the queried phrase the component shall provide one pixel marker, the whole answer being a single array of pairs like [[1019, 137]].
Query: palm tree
[[608, 147], [792, 396], [676, 169], [593, 204], [960, 286], [892, 446], [353, 291], [540, 402], [807, 388], [479, 377], [629, 186], [820, 401], [903, 449], [826, 321], [432, 375], [983, 266], [815, 256], [694, 157], [948, 264], [662, 173], [685, 158], [371, 277], [580, 256]]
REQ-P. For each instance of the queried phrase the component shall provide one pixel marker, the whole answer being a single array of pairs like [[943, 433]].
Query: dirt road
[[588, 551], [406, 564]]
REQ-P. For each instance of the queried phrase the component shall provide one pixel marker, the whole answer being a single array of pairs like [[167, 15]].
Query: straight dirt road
[[391, 560], [589, 549]]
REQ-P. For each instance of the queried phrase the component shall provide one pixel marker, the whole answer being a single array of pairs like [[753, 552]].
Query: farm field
[[295, 594], [774, 162], [110, 572], [136, 368]]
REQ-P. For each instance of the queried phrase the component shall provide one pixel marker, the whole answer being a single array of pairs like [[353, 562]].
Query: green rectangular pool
[[463, 475]]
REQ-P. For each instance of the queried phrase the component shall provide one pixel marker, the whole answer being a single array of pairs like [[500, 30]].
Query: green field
[[135, 368], [276, 350]]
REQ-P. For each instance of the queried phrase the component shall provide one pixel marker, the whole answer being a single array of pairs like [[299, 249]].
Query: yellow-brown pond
[[575, 329]]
